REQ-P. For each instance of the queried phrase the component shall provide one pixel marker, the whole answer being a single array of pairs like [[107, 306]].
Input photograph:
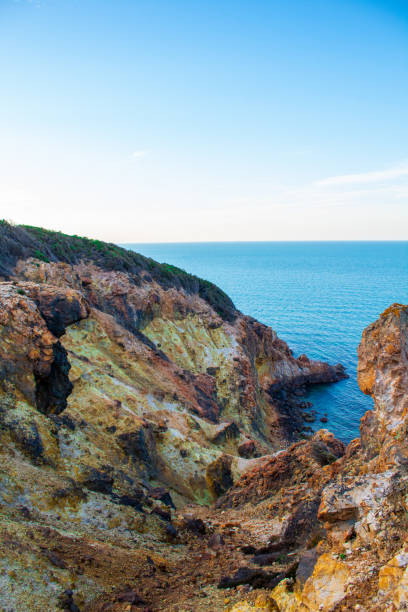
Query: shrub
[[40, 255]]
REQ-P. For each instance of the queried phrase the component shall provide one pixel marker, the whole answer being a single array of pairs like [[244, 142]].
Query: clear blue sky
[[151, 120]]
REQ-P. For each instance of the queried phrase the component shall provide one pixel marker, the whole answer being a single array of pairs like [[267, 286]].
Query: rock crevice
[[52, 390]]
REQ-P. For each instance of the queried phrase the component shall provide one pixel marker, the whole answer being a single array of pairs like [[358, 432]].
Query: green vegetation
[[39, 255], [24, 241]]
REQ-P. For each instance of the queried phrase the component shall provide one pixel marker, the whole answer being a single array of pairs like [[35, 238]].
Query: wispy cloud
[[138, 154], [376, 176]]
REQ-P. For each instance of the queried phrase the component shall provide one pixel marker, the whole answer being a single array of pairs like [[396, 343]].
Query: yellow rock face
[[264, 603], [393, 581], [326, 586], [286, 596], [392, 572], [400, 593]]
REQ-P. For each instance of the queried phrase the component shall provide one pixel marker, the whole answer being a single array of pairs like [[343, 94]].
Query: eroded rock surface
[[151, 455], [151, 452], [359, 559], [129, 389]]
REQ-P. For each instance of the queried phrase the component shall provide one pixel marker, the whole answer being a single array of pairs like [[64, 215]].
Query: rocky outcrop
[[383, 374], [153, 451], [152, 454], [129, 389], [360, 556]]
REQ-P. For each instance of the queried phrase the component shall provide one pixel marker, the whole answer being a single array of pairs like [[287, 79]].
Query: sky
[[205, 120]]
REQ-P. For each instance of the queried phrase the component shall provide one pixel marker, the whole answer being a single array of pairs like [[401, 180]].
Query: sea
[[318, 296]]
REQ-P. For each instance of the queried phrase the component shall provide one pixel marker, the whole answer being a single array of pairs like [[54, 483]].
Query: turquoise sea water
[[318, 296]]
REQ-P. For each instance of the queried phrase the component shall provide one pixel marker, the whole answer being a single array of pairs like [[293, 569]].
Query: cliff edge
[[154, 454], [128, 389]]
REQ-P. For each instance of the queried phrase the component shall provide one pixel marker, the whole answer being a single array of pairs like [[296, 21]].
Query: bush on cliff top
[[24, 241]]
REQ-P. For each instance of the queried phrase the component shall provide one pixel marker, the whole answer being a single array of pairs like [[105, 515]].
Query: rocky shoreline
[[296, 413], [155, 450]]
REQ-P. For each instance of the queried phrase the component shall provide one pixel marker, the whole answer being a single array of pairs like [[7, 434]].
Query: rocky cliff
[[348, 546], [129, 389], [154, 454]]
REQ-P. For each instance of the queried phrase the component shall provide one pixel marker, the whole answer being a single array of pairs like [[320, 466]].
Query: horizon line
[[263, 241]]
